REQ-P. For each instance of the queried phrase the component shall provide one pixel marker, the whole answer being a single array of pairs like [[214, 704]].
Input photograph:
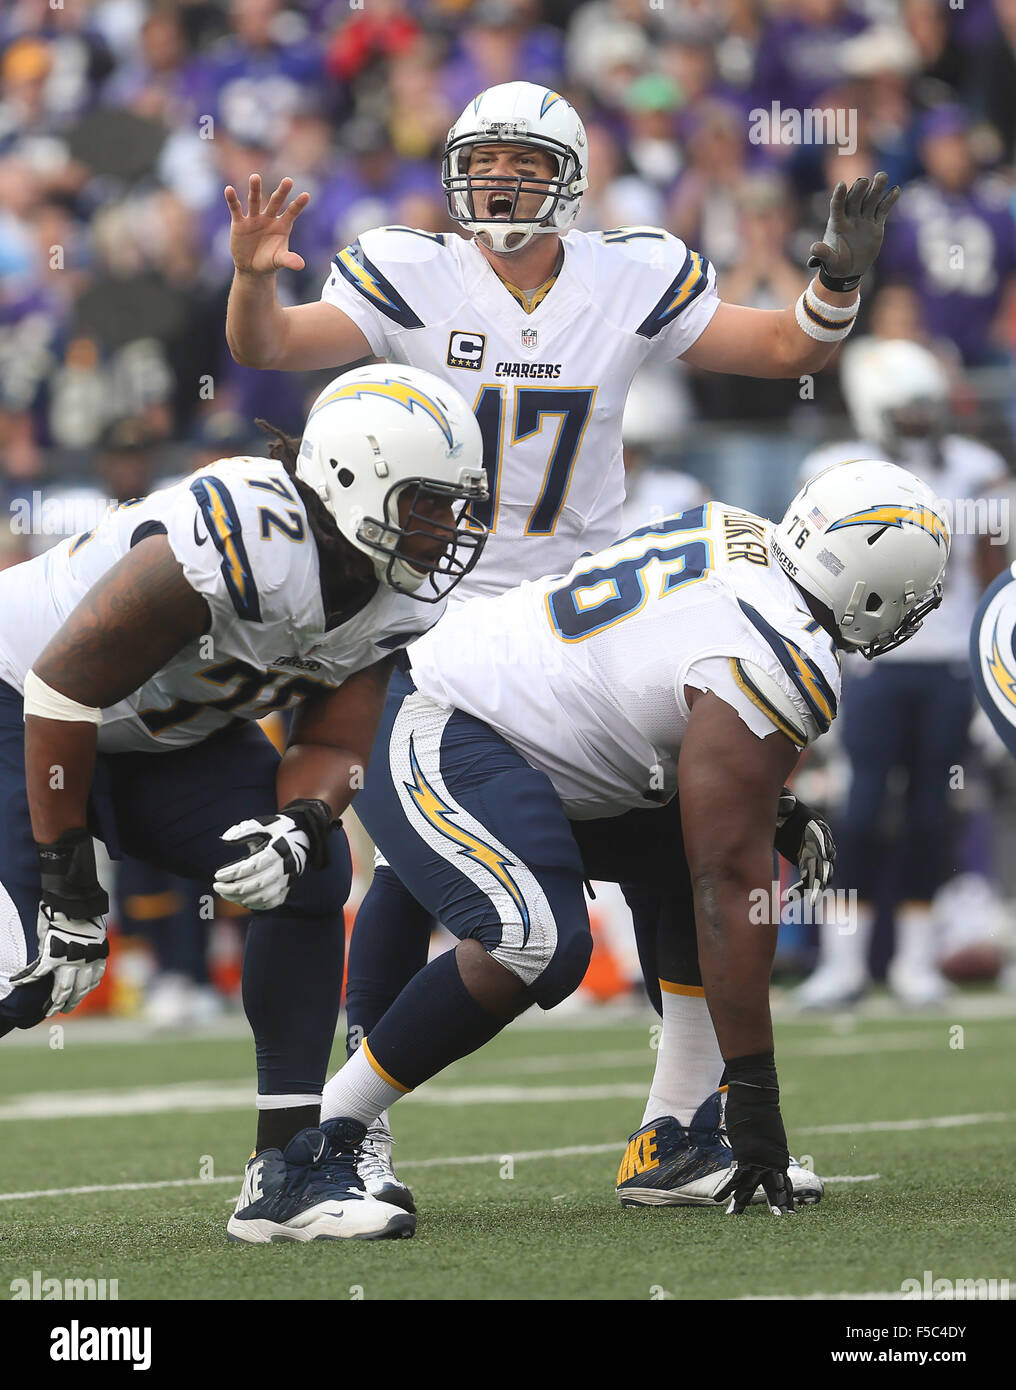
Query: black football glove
[[804, 838], [70, 927], [853, 234], [758, 1140]]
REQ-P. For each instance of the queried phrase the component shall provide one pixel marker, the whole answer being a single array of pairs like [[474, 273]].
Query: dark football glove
[[71, 930], [853, 234], [758, 1140], [804, 838]]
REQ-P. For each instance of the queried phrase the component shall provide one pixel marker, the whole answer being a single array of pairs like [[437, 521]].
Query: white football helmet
[[883, 376], [378, 433], [517, 113], [866, 539]]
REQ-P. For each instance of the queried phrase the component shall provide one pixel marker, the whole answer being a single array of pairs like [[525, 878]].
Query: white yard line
[[884, 1296], [842, 1046], [201, 1096], [585, 1017], [198, 1096], [453, 1161], [991, 1117]]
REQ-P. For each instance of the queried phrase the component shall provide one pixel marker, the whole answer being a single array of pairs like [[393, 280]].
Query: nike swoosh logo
[[198, 540]]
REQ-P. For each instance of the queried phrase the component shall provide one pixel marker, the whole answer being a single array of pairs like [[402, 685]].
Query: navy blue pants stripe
[[643, 850], [515, 806]]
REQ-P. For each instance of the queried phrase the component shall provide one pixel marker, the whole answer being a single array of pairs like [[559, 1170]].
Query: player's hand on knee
[[71, 927], [804, 838], [279, 848]]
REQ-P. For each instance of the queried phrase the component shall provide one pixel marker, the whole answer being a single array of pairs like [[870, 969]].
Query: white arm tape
[[45, 702]]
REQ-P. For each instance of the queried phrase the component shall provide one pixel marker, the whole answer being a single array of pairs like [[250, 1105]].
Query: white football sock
[[916, 944], [688, 1060], [843, 943], [358, 1091]]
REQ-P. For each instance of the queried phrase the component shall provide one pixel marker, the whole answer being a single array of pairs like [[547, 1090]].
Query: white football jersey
[[968, 467], [240, 532], [548, 387], [585, 673]]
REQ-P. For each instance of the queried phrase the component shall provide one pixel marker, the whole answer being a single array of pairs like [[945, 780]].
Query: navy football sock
[[292, 980], [388, 946], [434, 1022]]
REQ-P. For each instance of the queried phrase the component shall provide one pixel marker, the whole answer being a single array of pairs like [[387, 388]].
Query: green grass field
[[876, 1099]]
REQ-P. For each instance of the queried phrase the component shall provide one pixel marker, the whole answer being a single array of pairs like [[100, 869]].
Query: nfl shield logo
[[529, 339]]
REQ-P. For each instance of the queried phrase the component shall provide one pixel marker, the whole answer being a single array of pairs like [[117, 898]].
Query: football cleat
[[668, 1165], [807, 1186], [310, 1191], [374, 1166]]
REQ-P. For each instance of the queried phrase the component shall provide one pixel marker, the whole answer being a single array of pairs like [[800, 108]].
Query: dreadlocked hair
[[342, 561]]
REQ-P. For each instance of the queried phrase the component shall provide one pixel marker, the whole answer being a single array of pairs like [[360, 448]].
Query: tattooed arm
[[135, 619]]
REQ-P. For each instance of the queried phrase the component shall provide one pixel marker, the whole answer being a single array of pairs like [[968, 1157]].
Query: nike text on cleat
[[374, 1166], [310, 1191], [666, 1164]]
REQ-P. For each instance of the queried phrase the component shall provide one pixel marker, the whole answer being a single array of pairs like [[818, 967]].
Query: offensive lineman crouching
[[538, 724], [146, 648]]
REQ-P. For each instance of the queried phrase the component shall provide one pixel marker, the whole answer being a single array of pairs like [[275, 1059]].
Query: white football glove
[[277, 854], [74, 952], [279, 848], [803, 837]]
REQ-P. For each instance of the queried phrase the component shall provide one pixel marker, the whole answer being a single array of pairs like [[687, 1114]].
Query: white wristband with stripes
[[829, 323]]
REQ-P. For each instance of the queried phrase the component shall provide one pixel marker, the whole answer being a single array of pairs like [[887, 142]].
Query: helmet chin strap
[[494, 239]]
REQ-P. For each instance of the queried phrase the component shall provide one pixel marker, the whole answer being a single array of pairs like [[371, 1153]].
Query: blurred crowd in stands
[[122, 120]]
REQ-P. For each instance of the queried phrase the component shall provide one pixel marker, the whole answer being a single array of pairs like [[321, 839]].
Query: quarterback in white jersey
[[547, 385], [684, 667], [541, 326], [134, 659]]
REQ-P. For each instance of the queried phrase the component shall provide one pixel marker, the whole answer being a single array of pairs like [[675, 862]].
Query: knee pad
[[550, 973]]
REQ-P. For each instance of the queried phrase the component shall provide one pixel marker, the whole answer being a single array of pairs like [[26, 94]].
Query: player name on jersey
[[530, 370]]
